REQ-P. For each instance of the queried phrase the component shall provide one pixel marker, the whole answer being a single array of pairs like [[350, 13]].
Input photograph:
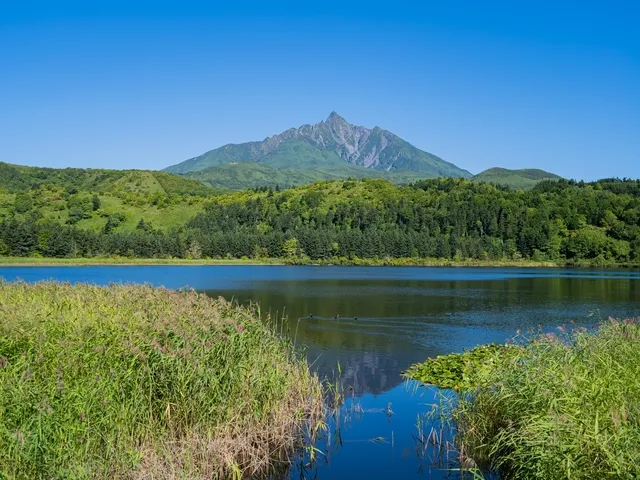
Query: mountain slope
[[328, 145], [524, 178], [243, 175]]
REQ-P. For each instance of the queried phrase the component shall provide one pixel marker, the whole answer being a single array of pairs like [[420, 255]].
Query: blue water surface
[[371, 323]]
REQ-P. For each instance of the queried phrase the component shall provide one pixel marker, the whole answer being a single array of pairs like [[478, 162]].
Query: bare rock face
[[353, 143]]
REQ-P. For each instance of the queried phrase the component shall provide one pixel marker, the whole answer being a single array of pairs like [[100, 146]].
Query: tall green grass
[[140, 382], [567, 408]]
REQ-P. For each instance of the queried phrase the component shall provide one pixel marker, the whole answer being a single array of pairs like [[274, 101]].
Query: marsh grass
[[142, 382], [567, 408]]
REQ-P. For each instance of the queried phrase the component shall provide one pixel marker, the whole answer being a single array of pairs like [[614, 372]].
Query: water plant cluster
[[566, 407], [141, 382], [463, 371]]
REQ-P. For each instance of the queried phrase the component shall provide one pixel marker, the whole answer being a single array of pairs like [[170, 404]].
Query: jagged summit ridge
[[335, 133]]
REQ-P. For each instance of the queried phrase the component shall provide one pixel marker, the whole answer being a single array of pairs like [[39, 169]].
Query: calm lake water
[[404, 315]]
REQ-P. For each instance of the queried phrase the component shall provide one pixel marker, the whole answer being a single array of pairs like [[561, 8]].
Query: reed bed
[[567, 408], [139, 382]]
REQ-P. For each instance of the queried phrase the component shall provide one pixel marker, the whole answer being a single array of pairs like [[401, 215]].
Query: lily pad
[[463, 371]]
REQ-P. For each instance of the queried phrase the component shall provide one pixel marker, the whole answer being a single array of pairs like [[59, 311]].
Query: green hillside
[[94, 198], [524, 178], [15, 178]]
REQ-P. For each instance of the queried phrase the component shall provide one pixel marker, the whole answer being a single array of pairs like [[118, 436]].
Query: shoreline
[[396, 262]]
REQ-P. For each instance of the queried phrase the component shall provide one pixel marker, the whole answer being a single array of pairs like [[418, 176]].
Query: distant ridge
[[332, 148], [523, 178]]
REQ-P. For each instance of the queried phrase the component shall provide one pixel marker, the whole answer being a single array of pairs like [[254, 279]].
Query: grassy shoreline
[[556, 407], [396, 262], [143, 382], [124, 261]]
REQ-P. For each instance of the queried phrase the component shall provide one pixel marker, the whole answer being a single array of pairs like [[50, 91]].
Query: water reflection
[[401, 321]]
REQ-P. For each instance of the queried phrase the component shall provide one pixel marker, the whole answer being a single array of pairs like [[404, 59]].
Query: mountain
[[524, 178], [325, 149]]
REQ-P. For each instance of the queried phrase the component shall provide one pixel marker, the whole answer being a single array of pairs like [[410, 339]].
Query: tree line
[[562, 221]]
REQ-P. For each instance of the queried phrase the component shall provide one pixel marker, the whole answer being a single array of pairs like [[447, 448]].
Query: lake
[[373, 322]]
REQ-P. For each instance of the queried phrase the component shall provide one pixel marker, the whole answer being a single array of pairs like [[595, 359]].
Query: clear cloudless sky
[[136, 84]]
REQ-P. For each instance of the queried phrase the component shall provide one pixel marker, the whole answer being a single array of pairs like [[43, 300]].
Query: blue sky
[[552, 85]]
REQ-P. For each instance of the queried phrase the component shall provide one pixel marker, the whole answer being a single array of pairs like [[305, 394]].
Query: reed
[[567, 408], [142, 382]]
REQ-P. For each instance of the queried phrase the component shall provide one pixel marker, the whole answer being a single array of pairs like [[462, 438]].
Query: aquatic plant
[[142, 382], [463, 371]]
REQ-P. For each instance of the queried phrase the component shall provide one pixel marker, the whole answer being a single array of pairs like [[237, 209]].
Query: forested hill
[[18, 178], [97, 199], [563, 221], [441, 218]]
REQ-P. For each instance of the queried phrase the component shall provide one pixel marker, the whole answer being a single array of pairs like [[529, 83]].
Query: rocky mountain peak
[[334, 117]]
